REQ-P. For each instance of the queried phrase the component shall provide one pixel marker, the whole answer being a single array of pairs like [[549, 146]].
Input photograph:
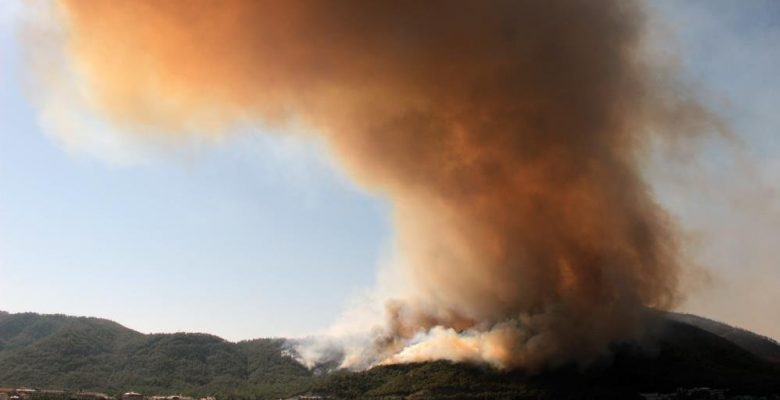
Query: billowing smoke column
[[506, 134]]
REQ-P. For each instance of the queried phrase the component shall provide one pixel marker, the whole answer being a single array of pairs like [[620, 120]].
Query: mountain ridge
[[84, 353], [763, 346]]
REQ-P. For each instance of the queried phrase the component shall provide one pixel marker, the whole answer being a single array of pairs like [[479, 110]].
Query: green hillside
[[77, 353], [61, 352]]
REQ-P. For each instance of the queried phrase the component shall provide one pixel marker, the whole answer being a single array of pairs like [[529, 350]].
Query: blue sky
[[727, 194], [258, 236], [261, 235]]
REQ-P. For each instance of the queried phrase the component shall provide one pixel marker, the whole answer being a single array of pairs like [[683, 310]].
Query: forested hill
[[62, 352], [757, 344], [78, 353]]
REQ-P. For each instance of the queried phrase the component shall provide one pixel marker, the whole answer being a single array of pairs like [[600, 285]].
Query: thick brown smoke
[[505, 133]]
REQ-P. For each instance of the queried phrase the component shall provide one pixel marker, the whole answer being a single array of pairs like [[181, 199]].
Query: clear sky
[[262, 236]]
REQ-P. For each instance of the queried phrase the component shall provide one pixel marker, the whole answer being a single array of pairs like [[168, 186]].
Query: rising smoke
[[506, 134]]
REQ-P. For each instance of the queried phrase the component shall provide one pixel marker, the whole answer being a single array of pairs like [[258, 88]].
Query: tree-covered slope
[[56, 351], [60, 352], [683, 356], [759, 345]]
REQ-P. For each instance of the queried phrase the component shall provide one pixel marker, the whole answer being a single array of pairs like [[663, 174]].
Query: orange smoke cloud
[[505, 133]]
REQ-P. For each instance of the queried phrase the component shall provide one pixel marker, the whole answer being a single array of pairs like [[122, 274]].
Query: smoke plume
[[506, 134]]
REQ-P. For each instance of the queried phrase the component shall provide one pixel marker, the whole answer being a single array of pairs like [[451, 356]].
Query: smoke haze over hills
[[506, 135]]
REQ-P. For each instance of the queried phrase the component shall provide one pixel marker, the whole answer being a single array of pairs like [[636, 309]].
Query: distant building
[[93, 395], [172, 397], [24, 393], [49, 392], [132, 396], [8, 393]]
